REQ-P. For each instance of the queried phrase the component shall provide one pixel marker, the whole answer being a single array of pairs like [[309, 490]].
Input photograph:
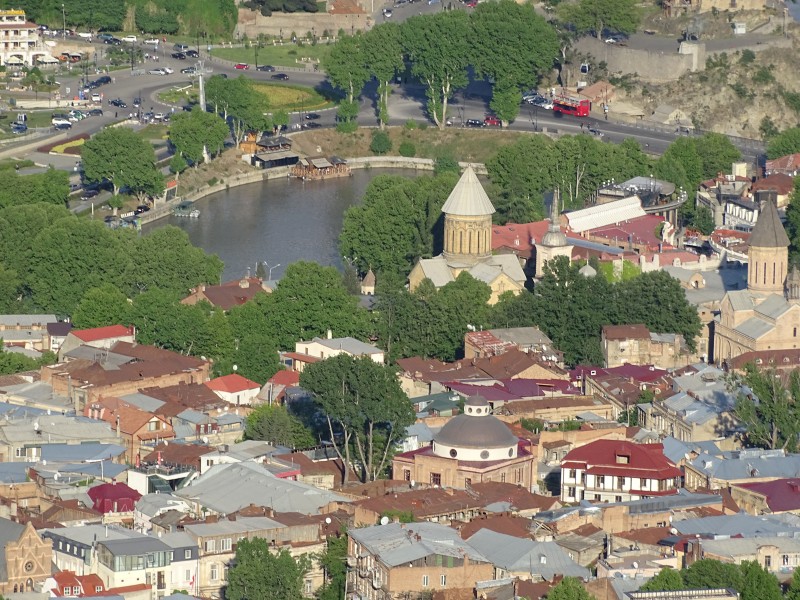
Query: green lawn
[[154, 132], [283, 56], [182, 94]]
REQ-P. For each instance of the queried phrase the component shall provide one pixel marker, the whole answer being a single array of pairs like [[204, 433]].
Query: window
[[209, 546], [436, 479], [187, 554], [424, 581], [572, 473], [571, 492], [785, 560], [307, 587], [188, 575], [767, 562], [467, 481], [443, 580], [171, 555], [620, 482], [601, 480], [406, 474], [98, 588], [226, 545], [617, 498], [597, 497], [214, 572], [503, 477], [642, 483]]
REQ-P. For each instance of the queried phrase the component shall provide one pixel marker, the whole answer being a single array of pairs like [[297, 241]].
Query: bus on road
[[571, 105]]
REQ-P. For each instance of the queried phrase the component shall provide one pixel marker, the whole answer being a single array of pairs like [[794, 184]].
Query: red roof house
[[97, 337], [617, 471], [788, 165], [113, 497], [764, 497], [234, 388]]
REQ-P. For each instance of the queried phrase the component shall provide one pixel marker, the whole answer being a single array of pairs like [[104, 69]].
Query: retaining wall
[[251, 23]]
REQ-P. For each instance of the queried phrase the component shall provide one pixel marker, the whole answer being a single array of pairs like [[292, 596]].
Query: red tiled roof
[[113, 497], [626, 332], [507, 524], [230, 293], [649, 535], [299, 356], [285, 377], [779, 182], [178, 454], [639, 230], [232, 383], [600, 458], [781, 495], [790, 162], [102, 333]]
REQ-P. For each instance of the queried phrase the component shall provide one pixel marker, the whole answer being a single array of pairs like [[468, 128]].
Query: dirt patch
[[220, 169], [462, 144]]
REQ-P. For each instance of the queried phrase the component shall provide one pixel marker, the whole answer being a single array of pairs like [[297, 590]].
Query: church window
[[794, 334], [510, 452], [484, 454], [436, 479], [764, 279], [774, 272], [453, 453], [503, 477], [460, 242], [756, 277]]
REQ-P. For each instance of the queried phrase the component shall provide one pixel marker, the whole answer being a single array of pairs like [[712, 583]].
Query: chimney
[[330, 334], [119, 433]]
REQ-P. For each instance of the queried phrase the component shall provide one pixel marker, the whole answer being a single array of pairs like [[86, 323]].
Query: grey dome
[[469, 431], [554, 238]]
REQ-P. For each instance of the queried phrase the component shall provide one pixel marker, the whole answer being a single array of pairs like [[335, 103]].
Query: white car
[[152, 42], [169, 70], [85, 36], [61, 121], [159, 71], [131, 39]]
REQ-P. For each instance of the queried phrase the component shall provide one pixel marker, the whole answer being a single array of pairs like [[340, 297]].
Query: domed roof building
[[472, 447]]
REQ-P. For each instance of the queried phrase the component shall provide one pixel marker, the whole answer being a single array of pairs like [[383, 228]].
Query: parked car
[[312, 116], [387, 13], [474, 123], [280, 76], [268, 68], [19, 128], [130, 39], [543, 103], [103, 80], [84, 35], [56, 121], [137, 102], [76, 115], [179, 55], [192, 54], [160, 116], [312, 125], [96, 112], [89, 194], [189, 71], [96, 98], [492, 121], [104, 36], [180, 47], [595, 131], [152, 42], [241, 66], [142, 208], [62, 125], [158, 71], [118, 102], [113, 41], [169, 70]]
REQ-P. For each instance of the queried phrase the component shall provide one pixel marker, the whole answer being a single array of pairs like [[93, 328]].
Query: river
[[278, 221]]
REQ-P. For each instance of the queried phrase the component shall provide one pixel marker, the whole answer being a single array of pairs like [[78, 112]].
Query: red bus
[[571, 105]]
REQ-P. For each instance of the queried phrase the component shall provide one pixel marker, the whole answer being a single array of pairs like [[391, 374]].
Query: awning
[[14, 60], [46, 58]]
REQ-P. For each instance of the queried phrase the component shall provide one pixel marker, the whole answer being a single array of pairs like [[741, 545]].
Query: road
[[407, 103]]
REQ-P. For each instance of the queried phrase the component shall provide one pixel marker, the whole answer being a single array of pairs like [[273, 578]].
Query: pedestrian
[[581, 126], [115, 114]]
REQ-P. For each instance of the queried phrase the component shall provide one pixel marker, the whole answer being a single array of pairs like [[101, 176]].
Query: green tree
[[716, 153], [101, 306], [276, 425], [381, 142], [683, 151], [383, 51], [255, 342], [310, 300], [439, 49], [793, 592], [10, 290], [258, 573], [362, 402], [703, 220], [793, 222], [712, 574], [19, 227], [758, 583], [394, 225], [166, 260], [667, 580], [769, 414], [346, 66], [238, 103], [569, 588], [786, 142], [51, 187], [513, 46], [14, 362], [768, 129], [121, 157], [595, 16], [72, 256], [198, 134], [334, 563]]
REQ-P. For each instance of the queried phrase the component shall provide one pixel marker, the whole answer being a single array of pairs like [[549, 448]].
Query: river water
[[278, 221]]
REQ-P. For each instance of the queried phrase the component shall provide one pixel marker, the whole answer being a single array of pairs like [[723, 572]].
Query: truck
[[571, 105]]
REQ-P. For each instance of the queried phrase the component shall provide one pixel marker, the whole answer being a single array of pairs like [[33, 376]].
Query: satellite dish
[[56, 477], [166, 443], [384, 520], [205, 439], [673, 531], [413, 483], [635, 565], [327, 520], [36, 425], [235, 368], [44, 463]]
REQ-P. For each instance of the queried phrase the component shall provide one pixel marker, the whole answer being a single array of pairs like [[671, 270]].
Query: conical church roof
[[468, 198], [769, 231]]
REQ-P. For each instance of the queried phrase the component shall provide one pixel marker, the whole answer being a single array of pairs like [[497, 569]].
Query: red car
[[492, 121], [242, 66]]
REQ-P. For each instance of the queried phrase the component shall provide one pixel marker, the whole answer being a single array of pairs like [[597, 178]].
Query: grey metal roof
[[522, 336], [88, 534], [240, 525], [421, 431], [27, 320], [55, 429], [741, 300], [227, 488], [468, 197], [396, 543], [769, 231], [134, 546], [178, 539], [89, 451], [755, 328], [740, 524], [14, 411], [151, 504], [38, 392], [485, 273], [509, 264], [745, 465], [517, 554], [143, 401], [773, 306], [193, 416], [747, 547], [436, 270], [14, 472], [349, 344]]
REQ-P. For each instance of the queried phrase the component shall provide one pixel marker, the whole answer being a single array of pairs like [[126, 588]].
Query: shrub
[[411, 124], [445, 164], [747, 57], [346, 126], [381, 144], [407, 149]]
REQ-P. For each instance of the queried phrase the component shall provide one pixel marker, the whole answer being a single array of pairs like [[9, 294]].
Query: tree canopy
[[256, 572], [198, 133], [569, 588], [785, 143], [363, 406], [597, 16], [276, 425]]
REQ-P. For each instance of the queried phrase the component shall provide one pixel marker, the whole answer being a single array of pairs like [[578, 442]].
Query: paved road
[[407, 102]]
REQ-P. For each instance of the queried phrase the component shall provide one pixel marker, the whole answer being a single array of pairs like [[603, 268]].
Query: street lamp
[[269, 276], [64, 17]]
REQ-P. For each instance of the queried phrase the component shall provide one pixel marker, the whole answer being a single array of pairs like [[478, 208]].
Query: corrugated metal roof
[[436, 270], [754, 328], [602, 215], [769, 231]]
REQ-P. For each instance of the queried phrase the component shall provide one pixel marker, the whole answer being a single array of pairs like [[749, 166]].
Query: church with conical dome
[[472, 447], [766, 315], [468, 244]]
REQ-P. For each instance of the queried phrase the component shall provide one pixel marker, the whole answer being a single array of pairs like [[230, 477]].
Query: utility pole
[[201, 85], [64, 18]]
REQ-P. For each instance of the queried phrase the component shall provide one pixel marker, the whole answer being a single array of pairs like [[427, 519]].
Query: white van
[[131, 39]]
